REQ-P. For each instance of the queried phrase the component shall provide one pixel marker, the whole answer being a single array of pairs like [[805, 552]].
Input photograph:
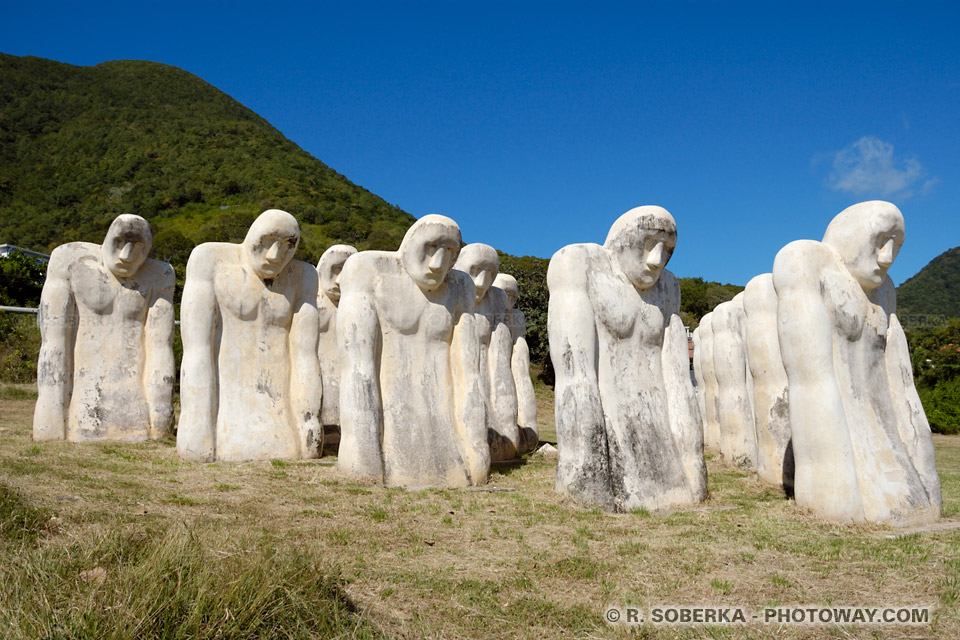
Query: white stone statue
[[738, 435], [412, 411], [770, 399], [250, 383], [698, 378], [328, 300], [105, 370], [711, 403], [861, 442], [520, 365], [628, 429], [481, 263]]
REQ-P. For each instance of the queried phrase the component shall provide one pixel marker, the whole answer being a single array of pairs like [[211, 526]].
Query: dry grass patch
[[433, 563]]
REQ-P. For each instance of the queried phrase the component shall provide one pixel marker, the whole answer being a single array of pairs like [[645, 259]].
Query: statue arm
[[199, 384], [520, 367], [912, 420], [57, 321], [684, 414], [826, 476], [468, 396], [158, 355], [358, 332], [306, 386], [572, 331]]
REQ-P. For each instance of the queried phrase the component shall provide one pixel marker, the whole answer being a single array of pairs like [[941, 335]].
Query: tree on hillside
[[935, 355]]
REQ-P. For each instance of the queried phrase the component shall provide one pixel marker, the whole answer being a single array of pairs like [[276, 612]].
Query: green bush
[[935, 356], [19, 347]]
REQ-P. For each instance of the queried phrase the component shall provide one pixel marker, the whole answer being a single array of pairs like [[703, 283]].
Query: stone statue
[[771, 411], [105, 370], [250, 380], [328, 270], [700, 383], [711, 403], [861, 442], [412, 411], [628, 429], [520, 365], [481, 263], [738, 437]]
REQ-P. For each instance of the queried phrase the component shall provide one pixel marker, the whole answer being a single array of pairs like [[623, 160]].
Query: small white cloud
[[929, 185], [868, 166]]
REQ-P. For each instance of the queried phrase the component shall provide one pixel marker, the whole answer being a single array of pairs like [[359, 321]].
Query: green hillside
[[934, 290], [80, 145]]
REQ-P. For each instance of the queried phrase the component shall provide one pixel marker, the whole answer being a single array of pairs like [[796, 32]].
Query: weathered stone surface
[[481, 263], [520, 365], [862, 445], [628, 429], [328, 300], [250, 383], [106, 368], [770, 395], [738, 438], [412, 409], [711, 402]]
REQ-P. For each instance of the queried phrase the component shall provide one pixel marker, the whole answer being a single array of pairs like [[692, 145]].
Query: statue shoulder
[[66, 256], [569, 266], [361, 269], [159, 271], [460, 287], [668, 292], [759, 295], [306, 278], [799, 264], [204, 258]]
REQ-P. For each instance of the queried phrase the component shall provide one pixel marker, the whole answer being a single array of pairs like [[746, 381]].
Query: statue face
[[509, 285], [481, 263], [871, 259], [126, 246], [329, 268], [643, 257], [428, 253], [642, 241], [271, 242], [867, 236]]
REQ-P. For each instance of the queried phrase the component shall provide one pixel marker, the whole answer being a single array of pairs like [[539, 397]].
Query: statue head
[[126, 245], [329, 268], [867, 237], [481, 263], [429, 249], [509, 285], [271, 242], [642, 241]]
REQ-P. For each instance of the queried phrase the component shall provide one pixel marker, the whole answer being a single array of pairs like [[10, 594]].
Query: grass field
[[125, 541]]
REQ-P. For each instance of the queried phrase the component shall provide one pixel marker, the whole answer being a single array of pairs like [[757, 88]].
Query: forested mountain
[[80, 145], [934, 290]]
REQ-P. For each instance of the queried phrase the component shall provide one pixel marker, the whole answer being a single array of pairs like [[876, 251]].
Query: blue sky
[[535, 125]]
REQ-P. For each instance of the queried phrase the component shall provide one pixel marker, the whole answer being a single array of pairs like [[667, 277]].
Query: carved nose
[[656, 256], [436, 261], [885, 259], [126, 253], [273, 254]]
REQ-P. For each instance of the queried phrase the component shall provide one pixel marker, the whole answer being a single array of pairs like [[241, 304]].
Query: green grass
[[265, 550], [17, 392], [171, 583], [19, 521]]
